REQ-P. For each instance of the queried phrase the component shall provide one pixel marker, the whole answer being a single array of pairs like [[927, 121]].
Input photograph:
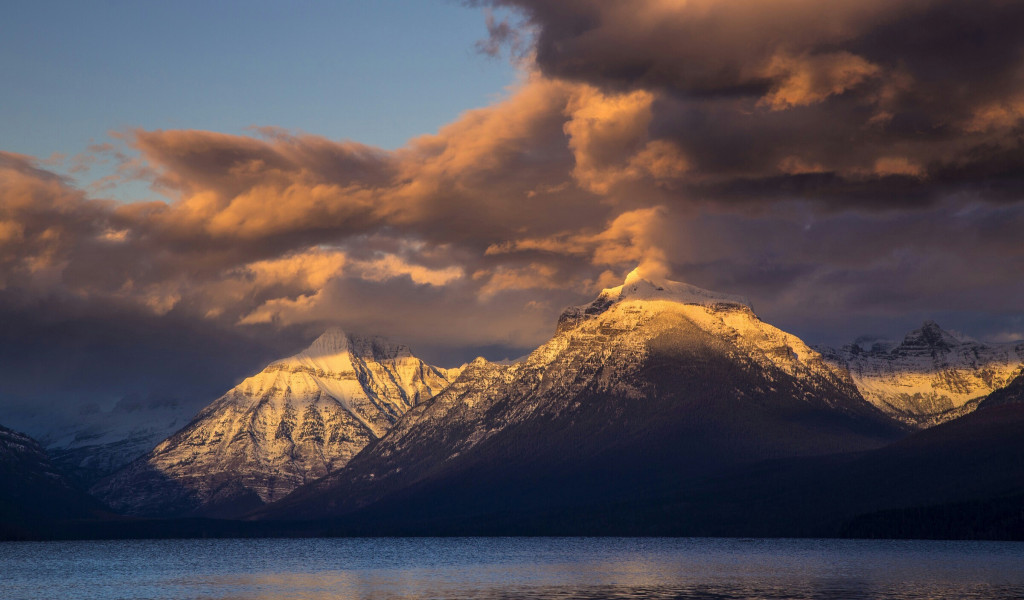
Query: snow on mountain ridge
[[637, 288], [294, 421], [930, 377], [334, 342], [930, 335], [96, 442]]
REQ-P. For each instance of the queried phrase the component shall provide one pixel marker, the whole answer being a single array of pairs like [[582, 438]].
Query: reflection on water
[[494, 568]]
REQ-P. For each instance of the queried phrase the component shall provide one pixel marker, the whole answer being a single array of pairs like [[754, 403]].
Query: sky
[[188, 190], [378, 72]]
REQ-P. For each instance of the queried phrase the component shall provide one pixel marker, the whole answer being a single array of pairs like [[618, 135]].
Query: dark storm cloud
[[884, 102], [701, 48], [832, 277]]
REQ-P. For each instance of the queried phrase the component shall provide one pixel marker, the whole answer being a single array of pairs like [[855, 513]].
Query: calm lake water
[[317, 569]]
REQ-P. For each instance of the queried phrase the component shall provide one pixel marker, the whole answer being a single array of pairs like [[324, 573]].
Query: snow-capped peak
[[931, 376], [334, 349], [295, 420], [332, 341], [930, 335], [639, 287]]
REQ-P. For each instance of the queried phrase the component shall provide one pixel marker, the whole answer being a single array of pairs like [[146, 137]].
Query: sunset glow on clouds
[[844, 164]]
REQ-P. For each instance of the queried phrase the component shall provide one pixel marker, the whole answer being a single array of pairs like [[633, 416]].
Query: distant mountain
[[95, 441], [33, 493], [1013, 393], [99, 442], [293, 422], [932, 376], [652, 384]]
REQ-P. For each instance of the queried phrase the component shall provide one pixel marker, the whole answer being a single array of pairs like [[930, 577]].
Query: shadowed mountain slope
[[33, 493]]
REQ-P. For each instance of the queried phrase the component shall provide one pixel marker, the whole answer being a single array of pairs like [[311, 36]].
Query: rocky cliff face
[[932, 376], [293, 422], [650, 382]]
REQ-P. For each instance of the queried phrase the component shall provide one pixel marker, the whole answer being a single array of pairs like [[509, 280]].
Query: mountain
[[932, 376], [961, 479], [293, 422], [1013, 393], [33, 493], [99, 442], [95, 441], [650, 385]]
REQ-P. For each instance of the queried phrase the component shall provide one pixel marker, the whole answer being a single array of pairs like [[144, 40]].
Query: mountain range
[[658, 408], [650, 384], [929, 377]]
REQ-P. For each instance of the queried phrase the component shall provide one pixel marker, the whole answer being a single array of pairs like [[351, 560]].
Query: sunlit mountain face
[[932, 375], [295, 421], [188, 194]]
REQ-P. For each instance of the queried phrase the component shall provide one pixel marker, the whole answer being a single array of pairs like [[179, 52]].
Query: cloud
[[609, 135], [633, 238], [391, 266], [846, 165], [746, 93], [44, 222], [277, 229], [810, 79], [535, 276]]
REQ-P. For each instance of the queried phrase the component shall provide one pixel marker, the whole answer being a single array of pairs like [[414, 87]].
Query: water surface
[[421, 568]]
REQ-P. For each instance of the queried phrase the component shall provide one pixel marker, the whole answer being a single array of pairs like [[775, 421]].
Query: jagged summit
[[638, 286], [932, 376], [333, 340], [335, 348], [930, 335]]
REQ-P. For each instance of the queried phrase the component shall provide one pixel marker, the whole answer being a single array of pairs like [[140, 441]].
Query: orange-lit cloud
[[754, 97], [633, 238], [803, 80], [782, 149], [391, 266], [609, 135]]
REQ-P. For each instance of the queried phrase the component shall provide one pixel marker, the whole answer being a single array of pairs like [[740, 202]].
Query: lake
[[422, 568]]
